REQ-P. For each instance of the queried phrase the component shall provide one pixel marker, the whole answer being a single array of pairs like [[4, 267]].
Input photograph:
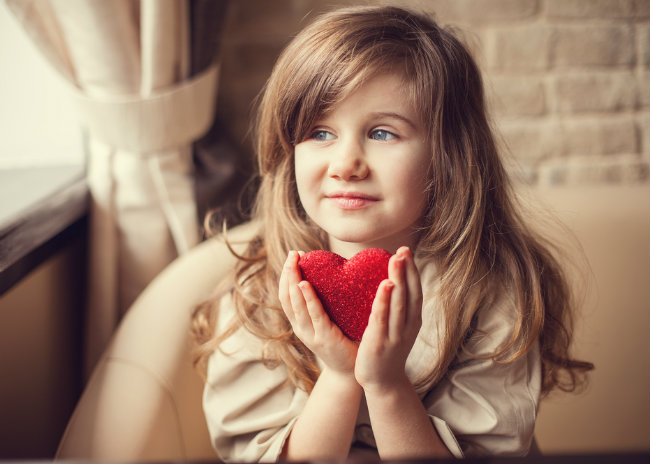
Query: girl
[[372, 132]]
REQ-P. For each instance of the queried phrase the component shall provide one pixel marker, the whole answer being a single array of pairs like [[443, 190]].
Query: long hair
[[472, 226]]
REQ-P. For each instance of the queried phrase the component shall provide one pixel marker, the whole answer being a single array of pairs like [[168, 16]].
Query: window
[[39, 123], [41, 154]]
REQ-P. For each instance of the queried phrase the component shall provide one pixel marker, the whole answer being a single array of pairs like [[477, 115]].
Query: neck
[[346, 249], [349, 249]]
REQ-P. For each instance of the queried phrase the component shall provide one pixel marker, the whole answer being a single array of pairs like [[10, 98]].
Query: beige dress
[[479, 408]]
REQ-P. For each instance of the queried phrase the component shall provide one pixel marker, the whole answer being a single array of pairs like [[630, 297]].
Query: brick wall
[[568, 80]]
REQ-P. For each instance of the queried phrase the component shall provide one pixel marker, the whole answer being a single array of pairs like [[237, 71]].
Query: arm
[[325, 427], [400, 423]]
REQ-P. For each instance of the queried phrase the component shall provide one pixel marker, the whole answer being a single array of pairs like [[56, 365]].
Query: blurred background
[[567, 81], [149, 104]]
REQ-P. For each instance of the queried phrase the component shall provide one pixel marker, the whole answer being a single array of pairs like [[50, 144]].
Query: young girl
[[372, 132]]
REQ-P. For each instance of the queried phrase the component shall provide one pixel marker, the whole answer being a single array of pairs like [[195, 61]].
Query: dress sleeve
[[484, 407], [249, 408]]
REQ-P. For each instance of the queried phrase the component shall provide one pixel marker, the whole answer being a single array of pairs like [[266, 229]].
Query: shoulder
[[237, 342]]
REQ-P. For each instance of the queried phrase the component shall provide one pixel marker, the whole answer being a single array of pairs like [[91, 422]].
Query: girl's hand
[[310, 322], [393, 326]]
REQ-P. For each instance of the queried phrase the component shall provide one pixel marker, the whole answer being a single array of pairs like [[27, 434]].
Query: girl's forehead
[[371, 83]]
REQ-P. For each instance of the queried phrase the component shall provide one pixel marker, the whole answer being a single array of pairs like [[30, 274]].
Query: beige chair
[[143, 402]]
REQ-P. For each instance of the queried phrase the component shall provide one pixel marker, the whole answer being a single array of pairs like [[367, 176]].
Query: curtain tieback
[[167, 119]]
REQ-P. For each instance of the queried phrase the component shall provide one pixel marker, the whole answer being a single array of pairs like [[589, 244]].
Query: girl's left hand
[[393, 325]]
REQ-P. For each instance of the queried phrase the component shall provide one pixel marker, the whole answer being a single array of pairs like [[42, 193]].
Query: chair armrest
[[143, 400]]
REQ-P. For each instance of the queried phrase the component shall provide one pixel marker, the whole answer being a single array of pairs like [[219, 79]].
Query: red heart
[[346, 288]]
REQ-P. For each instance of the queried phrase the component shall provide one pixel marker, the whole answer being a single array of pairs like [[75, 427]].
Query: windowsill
[[40, 210]]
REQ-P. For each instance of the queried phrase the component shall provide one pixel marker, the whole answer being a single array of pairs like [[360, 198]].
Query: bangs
[[350, 80], [320, 68]]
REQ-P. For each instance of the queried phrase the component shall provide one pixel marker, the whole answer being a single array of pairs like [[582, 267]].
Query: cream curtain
[[129, 65]]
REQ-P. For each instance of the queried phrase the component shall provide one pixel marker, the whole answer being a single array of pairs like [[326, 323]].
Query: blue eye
[[381, 134], [322, 136]]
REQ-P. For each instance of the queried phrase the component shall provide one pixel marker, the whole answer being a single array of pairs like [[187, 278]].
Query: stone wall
[[568, 80]]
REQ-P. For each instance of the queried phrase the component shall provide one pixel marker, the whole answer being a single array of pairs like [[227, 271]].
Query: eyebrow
[[389, 114]]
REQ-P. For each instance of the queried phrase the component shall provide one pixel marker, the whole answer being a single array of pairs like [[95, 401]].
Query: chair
[[143, 401]]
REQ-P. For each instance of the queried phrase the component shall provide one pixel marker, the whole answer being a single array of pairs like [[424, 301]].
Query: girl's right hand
[[310, 322]]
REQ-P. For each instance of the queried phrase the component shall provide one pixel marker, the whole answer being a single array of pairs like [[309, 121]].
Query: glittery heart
[[346, 288]]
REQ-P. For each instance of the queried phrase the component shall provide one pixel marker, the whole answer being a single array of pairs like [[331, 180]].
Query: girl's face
[[363, 169]]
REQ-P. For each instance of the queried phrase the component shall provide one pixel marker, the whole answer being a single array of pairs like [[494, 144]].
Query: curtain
[[145, 87]]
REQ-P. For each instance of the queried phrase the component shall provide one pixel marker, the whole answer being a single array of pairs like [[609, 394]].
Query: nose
[[349, 162]]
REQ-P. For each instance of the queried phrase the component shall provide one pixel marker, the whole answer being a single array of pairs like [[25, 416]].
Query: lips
[[351, 200]]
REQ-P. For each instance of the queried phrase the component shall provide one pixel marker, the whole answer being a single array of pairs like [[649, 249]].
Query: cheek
[[299, 167], [424, 168], [413, 183], [306, 179], [415, 177]]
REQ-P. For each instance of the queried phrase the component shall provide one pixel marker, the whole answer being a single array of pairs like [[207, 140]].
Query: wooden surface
[[40, 208]]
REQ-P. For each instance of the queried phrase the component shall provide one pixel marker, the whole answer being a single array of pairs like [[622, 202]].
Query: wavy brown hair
[[473, 228]]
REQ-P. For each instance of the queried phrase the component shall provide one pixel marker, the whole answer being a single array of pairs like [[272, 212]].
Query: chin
[[361, 241], [353, 235]]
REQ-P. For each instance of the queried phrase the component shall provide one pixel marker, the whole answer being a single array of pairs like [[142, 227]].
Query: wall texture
[[568, 80]]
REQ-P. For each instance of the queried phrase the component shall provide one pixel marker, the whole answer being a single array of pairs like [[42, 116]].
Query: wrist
[[388, 387], [339, 379]]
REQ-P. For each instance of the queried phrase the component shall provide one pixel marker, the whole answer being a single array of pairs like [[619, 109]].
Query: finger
[[414, 290], [294, 304], [293, 270], [319, 319], [378, 322], [283, 289], [301, 314], [396, 271]]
